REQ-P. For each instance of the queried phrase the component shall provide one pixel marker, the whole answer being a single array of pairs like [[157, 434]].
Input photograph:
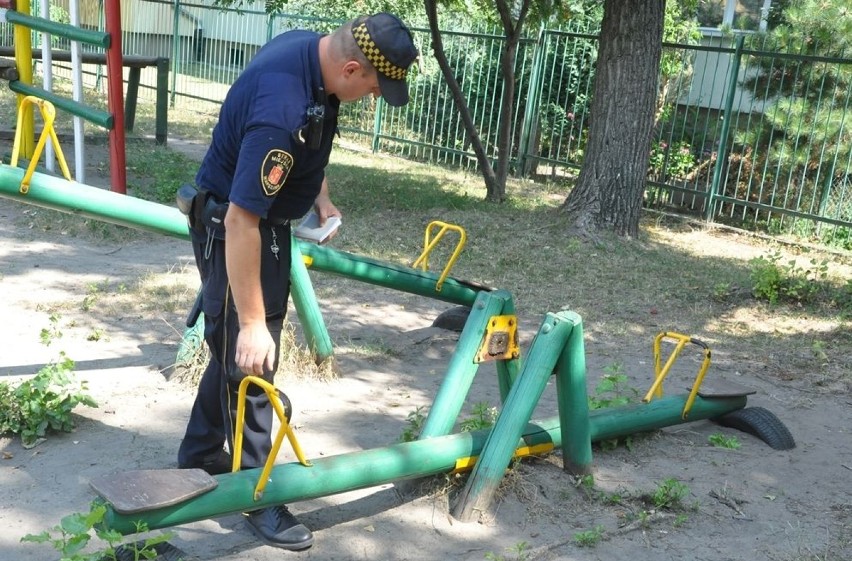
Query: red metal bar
[[115, 99]]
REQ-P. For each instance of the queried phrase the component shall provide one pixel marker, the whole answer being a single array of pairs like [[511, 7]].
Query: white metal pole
[[47, 76], [77, 84]]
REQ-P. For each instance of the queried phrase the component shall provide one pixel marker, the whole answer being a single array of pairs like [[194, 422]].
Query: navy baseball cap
[[388, 45]]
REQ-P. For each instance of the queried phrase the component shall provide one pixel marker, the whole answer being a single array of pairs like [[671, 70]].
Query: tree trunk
[[492, 182], [609, 190], [495, 179]]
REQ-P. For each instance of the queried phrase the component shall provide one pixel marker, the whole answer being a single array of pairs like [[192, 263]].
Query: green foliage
[[719, 440], [160, 171], [671, 162], [75, 531], [483, 417], [773, 281], [43, 403], [415, 423], [590, 538], [519, 552], [612, 390], [48, 334], [669, 494], [803, 141]]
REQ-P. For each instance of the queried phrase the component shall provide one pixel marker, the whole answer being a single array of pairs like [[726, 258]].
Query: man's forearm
[[242, 259]]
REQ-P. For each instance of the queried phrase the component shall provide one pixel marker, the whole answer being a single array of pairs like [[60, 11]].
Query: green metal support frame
[[462, 368], [558, 346]]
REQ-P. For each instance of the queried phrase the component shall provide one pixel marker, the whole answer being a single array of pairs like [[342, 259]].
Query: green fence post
[[377, 124], [529, 125], [162, 110], [175, 50], [722, 153], [131, 96]]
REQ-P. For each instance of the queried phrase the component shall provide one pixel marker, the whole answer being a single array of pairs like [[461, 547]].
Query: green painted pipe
[[55, 193], [97, 38], [91, 114], [305, 301], [630, 419], [573, 404], [77, 198], [525, 394], [462, 368], [100, 204], [330, 475], [508, 370], [389, 275]]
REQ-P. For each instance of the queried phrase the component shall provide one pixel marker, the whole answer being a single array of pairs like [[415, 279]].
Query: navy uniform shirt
[[256, 159]]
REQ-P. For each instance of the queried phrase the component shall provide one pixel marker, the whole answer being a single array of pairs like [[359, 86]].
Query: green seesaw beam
[[329, 475], [84, 200]]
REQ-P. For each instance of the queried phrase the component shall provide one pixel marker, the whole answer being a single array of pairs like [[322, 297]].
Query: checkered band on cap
[[374, 55]]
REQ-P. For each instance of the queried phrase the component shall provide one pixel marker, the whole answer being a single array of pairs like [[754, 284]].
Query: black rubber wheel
[[761, 423], [452, 319]]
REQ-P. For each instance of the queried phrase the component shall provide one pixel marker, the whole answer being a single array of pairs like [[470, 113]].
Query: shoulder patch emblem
[[273, 173]]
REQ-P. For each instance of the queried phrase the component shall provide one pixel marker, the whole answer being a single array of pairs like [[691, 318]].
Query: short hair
[[343, 45]]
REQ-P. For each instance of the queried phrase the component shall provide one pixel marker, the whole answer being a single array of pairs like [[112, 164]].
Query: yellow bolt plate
[[501, 339]]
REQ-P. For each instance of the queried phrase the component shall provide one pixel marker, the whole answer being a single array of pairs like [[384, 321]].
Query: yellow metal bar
[[429, 243], [271, 393], [467, 463], [24, 63], [705, 364], [48, 115], [661, 373]]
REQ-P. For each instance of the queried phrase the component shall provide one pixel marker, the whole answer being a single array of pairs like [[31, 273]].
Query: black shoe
[[277, 527], [214, 465]]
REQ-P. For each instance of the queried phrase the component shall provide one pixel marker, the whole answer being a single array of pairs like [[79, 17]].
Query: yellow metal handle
[[430, 243], [660, 373], [272, 394], [48, 114]]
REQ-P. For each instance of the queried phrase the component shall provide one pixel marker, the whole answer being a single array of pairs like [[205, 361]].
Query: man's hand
[[255, 349], [325, 208]]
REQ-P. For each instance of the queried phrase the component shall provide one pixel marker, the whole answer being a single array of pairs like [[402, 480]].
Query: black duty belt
[[274, 221]]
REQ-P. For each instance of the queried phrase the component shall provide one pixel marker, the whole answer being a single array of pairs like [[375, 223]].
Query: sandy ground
[[751, 503]]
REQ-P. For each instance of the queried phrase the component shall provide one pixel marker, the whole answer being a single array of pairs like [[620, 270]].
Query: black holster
[[203, 211]]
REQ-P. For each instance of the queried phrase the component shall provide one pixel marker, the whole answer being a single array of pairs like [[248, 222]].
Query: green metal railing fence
[[748, 133]]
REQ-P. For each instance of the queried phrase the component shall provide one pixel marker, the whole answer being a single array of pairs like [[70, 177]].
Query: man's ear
[[351, 67]]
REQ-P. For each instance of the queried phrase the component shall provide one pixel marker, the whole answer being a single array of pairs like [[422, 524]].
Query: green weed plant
[[43, 403], [75, 532], [775, 281], [719, 440]]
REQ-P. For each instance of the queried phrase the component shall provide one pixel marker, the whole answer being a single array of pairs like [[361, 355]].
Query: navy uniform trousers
[[214, 413]]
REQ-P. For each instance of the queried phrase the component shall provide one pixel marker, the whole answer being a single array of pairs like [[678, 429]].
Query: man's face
[[359, 83]]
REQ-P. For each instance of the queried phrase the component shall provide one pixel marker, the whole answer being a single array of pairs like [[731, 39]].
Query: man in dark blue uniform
[[265, 167]]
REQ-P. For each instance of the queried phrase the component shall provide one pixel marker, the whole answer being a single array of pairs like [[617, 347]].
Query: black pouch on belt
[[213, 216]]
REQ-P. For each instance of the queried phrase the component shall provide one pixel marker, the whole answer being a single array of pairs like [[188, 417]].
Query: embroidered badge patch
[[273, 173]]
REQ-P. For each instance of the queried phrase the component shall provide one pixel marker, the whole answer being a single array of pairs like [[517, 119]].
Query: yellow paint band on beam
[[467, 463]]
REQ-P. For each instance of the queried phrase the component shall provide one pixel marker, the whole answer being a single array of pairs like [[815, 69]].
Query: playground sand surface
[[120, 307]]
